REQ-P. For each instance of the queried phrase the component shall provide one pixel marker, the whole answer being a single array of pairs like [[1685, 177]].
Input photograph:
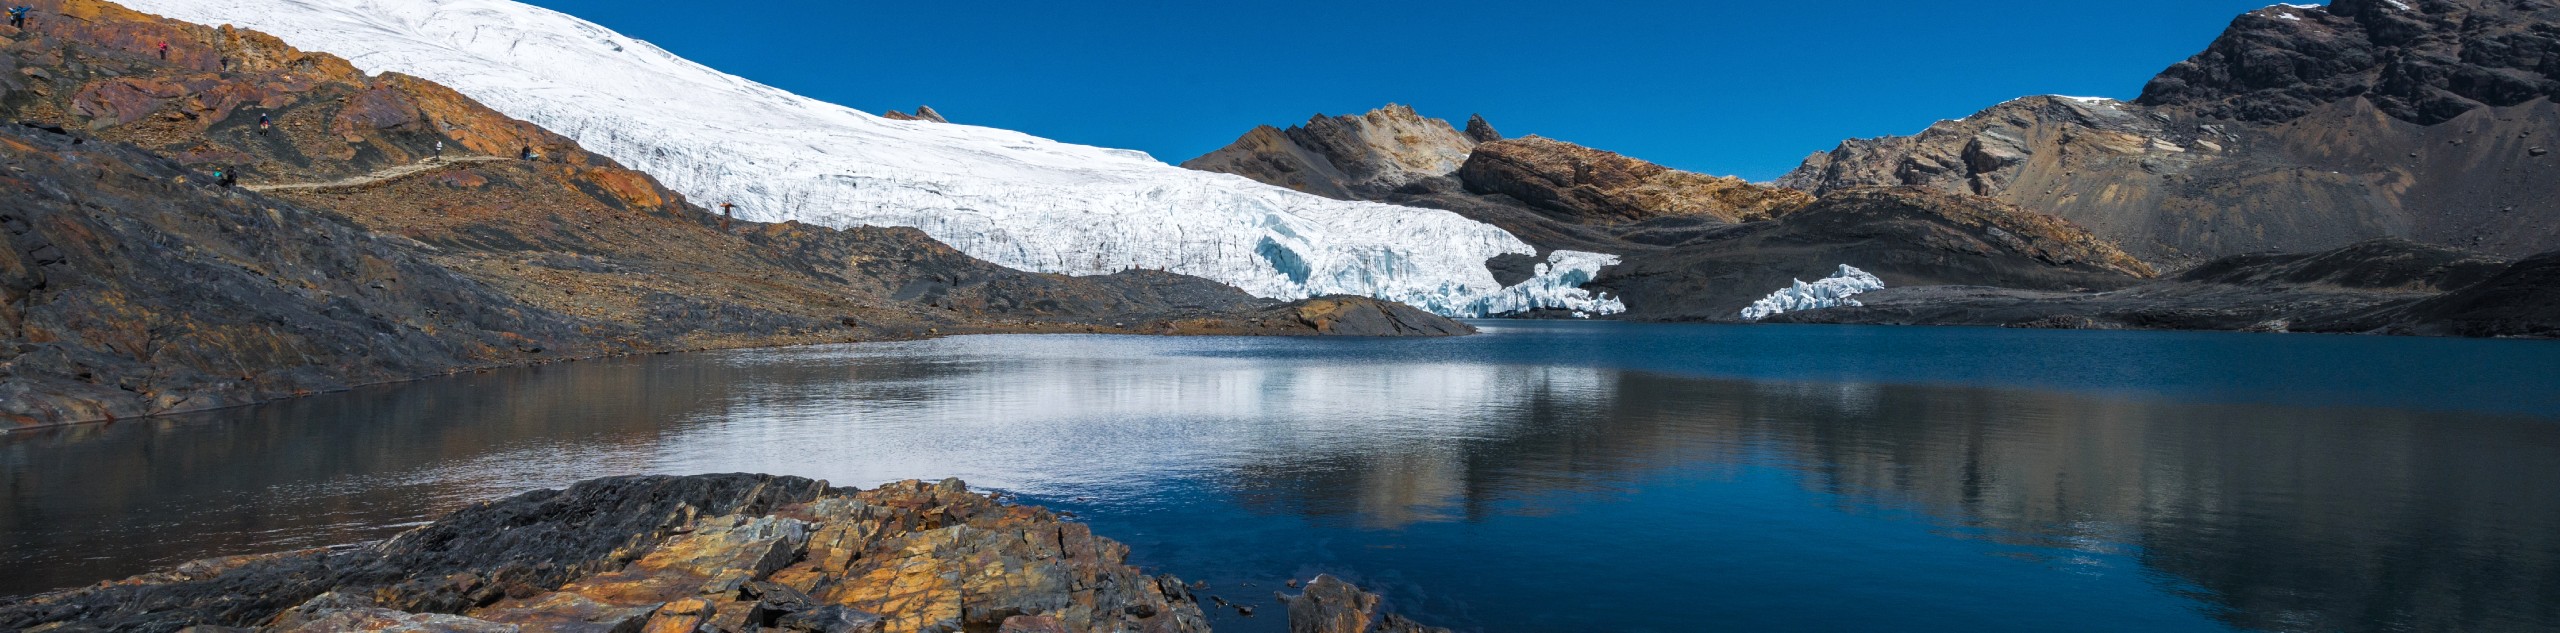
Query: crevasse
[[1003, 196]]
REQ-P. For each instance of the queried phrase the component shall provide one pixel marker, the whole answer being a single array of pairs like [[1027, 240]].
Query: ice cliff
[[1007, 197], [1833, 291]]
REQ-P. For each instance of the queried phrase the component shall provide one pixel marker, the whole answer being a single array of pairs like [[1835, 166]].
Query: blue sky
[[1743, 88]]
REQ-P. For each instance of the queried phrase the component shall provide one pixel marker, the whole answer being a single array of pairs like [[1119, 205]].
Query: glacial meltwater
[[1542, 476]]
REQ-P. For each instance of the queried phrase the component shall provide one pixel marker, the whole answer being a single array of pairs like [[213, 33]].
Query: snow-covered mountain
[[1003, 196]]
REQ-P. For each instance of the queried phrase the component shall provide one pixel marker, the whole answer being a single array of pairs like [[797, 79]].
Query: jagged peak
[[923, 113], [1480, 131]]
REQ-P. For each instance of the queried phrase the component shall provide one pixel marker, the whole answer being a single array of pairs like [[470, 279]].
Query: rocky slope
[[700, 553], [387, 228], [2300, 129], [2379, 286], [1906, 236]]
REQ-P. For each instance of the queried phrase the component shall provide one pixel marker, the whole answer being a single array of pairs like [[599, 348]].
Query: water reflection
[[1455, 474]]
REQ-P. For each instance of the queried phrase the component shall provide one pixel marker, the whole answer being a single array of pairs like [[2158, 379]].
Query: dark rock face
[[2380, 286], [1330, 605], [1907, 236], [709, 552], [1480, 131], [2421, 61], [2301, 129], [1588, 186], [356, 251]]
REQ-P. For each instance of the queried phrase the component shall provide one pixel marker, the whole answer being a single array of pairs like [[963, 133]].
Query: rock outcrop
[[923, 113], [1588, 186], [1351, 157], [656, 553], [2300, 129], [386, 228], [1480, 131], [1330, 605]]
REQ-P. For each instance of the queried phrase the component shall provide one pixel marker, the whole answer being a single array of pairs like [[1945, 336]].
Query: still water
[[1540, 477]]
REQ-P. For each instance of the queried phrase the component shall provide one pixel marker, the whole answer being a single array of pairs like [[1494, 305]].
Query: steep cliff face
[[2301, 129], [387, 228]]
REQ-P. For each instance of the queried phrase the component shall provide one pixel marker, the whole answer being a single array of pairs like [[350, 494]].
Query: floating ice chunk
[[1833, 291]]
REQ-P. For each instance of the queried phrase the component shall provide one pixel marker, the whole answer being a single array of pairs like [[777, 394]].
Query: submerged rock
[[656, 553]]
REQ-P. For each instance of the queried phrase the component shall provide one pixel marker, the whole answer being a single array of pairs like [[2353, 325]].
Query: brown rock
[[2300, 129], [666, 554], [923, 113], [681, 616], [1330, 605], [1354, 157], [1480, 131], [1584, 185], [1032, 624]]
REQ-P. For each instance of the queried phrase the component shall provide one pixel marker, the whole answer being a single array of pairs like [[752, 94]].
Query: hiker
[[727, 211], [164, 51], [230, 178], [527, 154], [18, 16], [439, 148], [264, 123]]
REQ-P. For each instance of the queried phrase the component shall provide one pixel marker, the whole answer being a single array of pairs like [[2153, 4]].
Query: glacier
[[1831, 292], [1003, 196]]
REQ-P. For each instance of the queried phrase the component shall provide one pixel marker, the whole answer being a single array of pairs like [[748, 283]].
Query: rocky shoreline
[[667, 554]]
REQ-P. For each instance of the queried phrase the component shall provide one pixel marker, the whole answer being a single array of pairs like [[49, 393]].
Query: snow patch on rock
[[1003, 196], [1830, 292]]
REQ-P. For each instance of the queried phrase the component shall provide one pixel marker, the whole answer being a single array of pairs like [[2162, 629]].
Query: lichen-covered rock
[[669, 554]]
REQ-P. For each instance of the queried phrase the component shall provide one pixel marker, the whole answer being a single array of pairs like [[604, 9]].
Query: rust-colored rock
[[1330, 605], [1590, 186], [673, 554]]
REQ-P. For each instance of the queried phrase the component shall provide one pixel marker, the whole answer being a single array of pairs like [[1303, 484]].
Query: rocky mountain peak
[[1342, 156], [1594, 186], [923, 113], [2422, 61], [1480, 131]]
